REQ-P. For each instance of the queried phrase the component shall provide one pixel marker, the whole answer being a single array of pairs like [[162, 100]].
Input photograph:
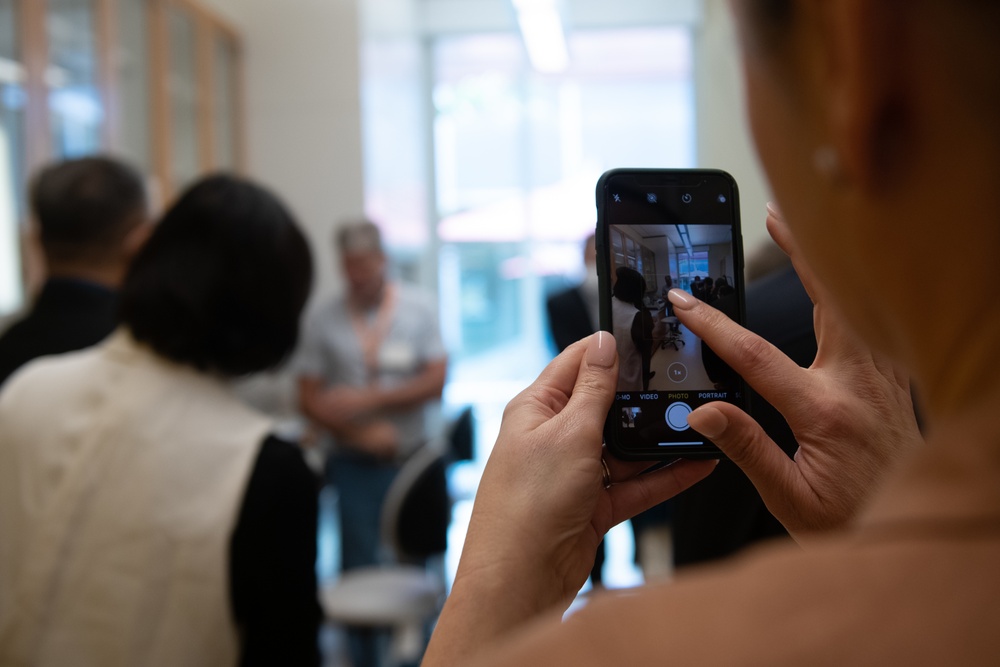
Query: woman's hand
[[850, 411], [542, 507]]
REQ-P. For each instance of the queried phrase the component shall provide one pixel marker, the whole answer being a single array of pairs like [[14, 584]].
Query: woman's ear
[[866, 49]]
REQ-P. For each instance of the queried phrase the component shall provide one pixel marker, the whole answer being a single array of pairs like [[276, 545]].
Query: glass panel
[[133, 81], [510, 185], [394, 136], [183, 87], [75, 107], [12, 177], [224, 83], [516, 156]]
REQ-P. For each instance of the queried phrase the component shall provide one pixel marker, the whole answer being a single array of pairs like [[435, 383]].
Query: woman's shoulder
[[784, 605]]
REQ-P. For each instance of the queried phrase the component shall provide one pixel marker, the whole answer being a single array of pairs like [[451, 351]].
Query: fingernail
[[682, 299], [602, 350], [772, 208], [710, 422]]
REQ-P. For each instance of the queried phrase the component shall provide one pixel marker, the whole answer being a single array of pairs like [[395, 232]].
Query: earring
[[826, 161]]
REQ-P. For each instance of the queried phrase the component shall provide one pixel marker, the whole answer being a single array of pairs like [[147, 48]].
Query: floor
[[666, 361]]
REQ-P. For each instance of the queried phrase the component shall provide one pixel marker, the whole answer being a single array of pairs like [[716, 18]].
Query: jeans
[[361, 486]]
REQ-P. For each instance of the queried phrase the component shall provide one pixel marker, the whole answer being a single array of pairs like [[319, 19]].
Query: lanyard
[[371, 332]]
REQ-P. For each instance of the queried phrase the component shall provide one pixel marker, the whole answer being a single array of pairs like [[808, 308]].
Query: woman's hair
[[775, 11], [221, 283], [629, 287]]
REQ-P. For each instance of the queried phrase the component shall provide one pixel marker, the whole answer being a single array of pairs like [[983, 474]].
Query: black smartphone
[[659, 229]]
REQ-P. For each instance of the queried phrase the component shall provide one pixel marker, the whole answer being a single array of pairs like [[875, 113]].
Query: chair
[[401, 597], [672, 335], [461, 436]]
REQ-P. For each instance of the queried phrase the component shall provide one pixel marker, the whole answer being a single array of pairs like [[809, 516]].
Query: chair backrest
[[417, 508], [462, 436]]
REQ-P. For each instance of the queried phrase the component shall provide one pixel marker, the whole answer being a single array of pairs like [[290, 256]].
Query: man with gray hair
[[370, 363]]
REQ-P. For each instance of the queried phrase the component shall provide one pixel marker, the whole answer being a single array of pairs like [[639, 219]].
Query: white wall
[[303, 111]]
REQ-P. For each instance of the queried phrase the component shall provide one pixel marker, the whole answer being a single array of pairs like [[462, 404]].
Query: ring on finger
[[606, 473]]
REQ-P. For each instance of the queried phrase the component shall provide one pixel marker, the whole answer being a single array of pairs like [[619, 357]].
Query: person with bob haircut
[[633, 328], [875, 122], [148, 516]]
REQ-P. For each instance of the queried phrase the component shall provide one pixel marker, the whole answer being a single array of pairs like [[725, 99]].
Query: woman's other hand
[[542, 506], [850, 411]]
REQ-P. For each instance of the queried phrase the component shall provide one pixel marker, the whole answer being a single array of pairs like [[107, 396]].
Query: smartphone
[[659, 229]]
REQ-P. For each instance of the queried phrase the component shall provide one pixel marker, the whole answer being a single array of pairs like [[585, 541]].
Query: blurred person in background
[[148, 516], [91, 218], [633, 329], [370, 366], [574, 312]]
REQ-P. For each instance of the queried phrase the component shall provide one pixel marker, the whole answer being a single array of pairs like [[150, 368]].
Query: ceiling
[[401, 18]]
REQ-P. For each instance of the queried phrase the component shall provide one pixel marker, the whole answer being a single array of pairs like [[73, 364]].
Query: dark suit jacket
[[68, 315], [569, 318], [723, 513]]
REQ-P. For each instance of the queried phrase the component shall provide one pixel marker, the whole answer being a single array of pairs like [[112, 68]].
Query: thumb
[[595, 385], [747, 445]]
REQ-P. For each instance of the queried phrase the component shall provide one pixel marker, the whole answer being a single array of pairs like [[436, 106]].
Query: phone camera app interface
[[665, 371], [656, 351]]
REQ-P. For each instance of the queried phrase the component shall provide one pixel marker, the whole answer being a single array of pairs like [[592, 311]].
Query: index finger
[[768, 370]]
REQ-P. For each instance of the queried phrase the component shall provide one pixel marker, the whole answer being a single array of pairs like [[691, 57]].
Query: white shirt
[[121, 479], [629, 358], [330, 350]]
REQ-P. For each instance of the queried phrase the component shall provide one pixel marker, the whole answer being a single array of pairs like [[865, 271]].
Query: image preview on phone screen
[[665, 371]]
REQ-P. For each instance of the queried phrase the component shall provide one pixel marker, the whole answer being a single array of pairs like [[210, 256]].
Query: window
[[517, 156], [76, 109], [482, 174], [691, 266], [154, 81], [12, 155]]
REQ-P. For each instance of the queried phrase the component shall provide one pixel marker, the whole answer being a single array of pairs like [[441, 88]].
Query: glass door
[[76, 110], [134, 141], [185, 97], [225, 118], [12, 152]]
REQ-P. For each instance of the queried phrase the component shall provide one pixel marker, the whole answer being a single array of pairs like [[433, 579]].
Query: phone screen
[[659, 230]]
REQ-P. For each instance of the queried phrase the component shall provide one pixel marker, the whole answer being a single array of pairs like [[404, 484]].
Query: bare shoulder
[[840, 602]]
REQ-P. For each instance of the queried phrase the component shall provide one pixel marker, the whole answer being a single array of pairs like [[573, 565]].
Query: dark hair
[[630, 286], [775, 11], [221, 283], [85, 207]]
